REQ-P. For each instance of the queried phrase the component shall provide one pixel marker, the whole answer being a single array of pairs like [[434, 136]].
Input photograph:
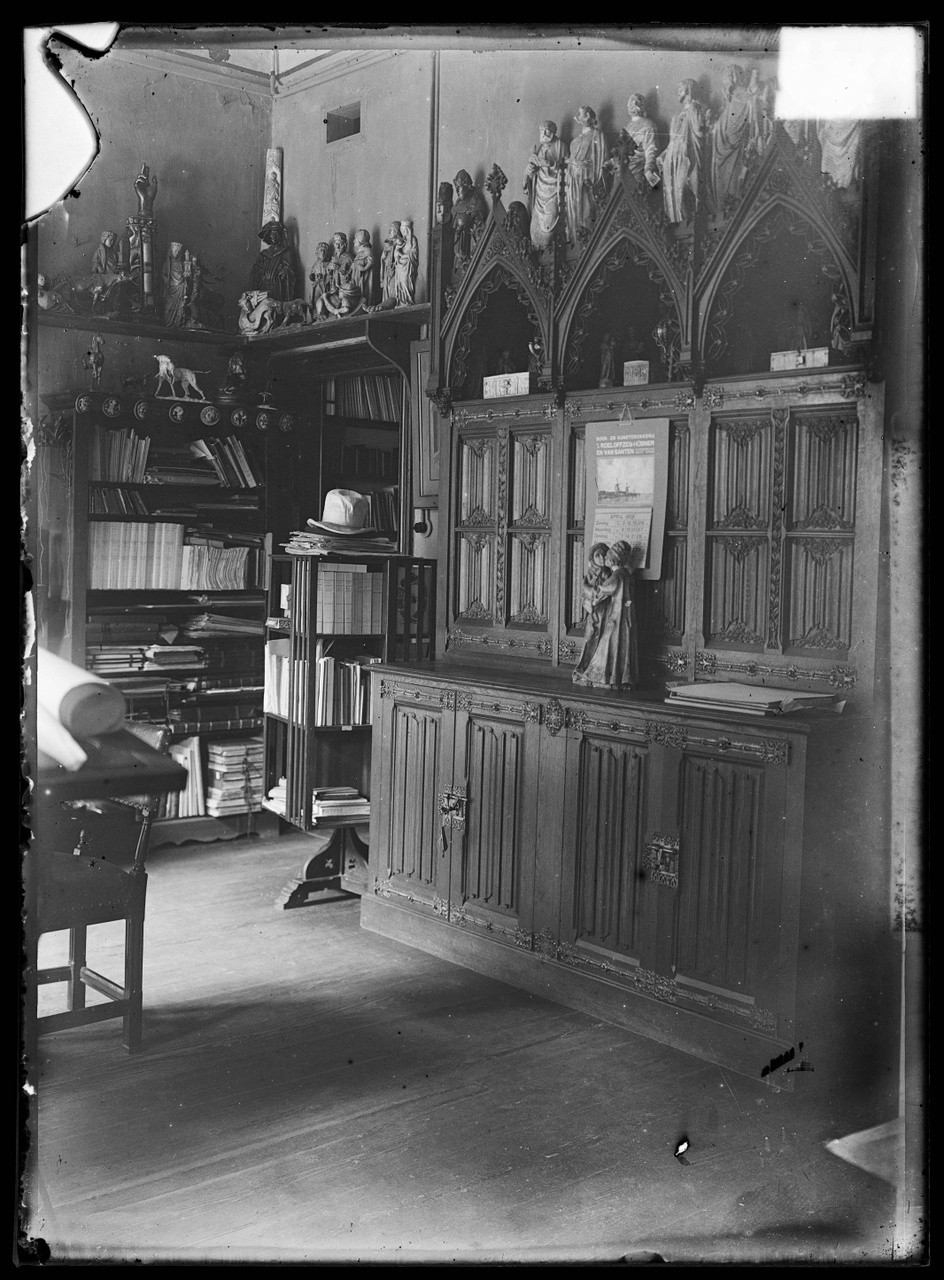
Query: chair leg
[[134, 972], [78, 945]]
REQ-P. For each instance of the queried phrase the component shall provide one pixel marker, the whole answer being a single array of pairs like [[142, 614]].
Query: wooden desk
[[119, 764]]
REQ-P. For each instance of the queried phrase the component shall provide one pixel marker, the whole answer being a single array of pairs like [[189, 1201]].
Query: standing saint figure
[[406, 262], [363, 266], [542, 182], [272, 272], [610, 657], [736, 136], [174, 284], [388, 265], [469, 214], [584, 173], [606, 360], [682, 161], [640, 129], [321, 278]]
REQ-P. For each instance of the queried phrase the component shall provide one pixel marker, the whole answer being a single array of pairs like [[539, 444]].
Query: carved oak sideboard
[[636, 862]]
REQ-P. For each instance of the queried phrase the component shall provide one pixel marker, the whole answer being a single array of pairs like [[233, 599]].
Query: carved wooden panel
[[491, 847], [475, 581], [531, 474], [819, 606], [529, 582], [822, 493], [414, 823], [613, 786], [576, 608], [578, 484], [737, 590], [476, 481], [676, 511], [661, 605], [740, 473], [719, 843]]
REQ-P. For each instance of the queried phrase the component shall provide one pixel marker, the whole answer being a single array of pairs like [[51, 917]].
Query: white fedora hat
[[345, 512]]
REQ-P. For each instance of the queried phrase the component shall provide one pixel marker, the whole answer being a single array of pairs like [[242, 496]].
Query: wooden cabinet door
[[495, 775], [605, 902], [726, 935], [411, 770]]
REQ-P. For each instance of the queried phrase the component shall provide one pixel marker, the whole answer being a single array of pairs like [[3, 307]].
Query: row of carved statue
[[703, 166]]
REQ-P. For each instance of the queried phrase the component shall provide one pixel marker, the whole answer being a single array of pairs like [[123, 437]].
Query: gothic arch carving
[[781, 187]]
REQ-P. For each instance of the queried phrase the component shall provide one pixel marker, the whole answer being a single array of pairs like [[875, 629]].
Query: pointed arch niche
[[499, 322]]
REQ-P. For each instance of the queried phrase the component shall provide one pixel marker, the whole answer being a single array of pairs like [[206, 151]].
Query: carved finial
[[442, 399], [495, 183]]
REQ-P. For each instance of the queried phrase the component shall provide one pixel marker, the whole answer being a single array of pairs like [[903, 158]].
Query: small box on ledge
[[635, 373], [807, 358], [506, 384]]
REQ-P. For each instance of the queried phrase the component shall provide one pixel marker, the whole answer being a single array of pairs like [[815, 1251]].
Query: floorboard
[[309, 1091]]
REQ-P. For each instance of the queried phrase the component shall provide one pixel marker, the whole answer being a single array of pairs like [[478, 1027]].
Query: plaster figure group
[[610, 655]]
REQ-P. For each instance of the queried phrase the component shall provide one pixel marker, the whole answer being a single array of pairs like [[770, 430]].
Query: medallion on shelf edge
[[238, 417], [176, 413], [111, 407], [83, 404], [286, 422], [263, 421], [141, 410], [210, 416]]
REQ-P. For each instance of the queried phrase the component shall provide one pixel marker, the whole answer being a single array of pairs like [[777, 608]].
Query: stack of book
[[220, 624], [117, 659], [124, 627], [338, 802], [350, 599], [188, 803], [751, 700], [120, 455], [135, 556], [234, 776], [276, 797], [342, 690], [216, 713]]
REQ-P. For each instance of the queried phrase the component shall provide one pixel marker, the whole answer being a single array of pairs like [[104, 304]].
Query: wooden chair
[[78, 889]]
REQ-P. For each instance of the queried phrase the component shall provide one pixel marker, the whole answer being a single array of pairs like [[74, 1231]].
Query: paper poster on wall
[[627, 473]]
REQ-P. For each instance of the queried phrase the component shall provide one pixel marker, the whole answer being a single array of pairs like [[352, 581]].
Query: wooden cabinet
[[606, 851]]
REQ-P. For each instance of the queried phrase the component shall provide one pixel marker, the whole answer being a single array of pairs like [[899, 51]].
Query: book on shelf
[[217, 726], [756, 700], [189, 802], [370, 396]]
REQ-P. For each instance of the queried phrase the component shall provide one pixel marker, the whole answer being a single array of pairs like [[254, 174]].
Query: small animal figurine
[[168, 374]]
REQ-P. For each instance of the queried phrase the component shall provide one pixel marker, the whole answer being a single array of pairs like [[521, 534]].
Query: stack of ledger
[[752, 700], [234, 776], [339, 802]]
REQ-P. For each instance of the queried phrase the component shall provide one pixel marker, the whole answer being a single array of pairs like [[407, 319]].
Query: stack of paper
[[754, 700]]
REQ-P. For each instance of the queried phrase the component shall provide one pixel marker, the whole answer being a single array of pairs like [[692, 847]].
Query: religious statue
[[406, 262], [204, 305], [111, 287], [145, 188], [641, 131], [840, 144], [469, 214], [542, 182], [363, 267], [584, 175], [53, 296], [681, 163], [175, 282], [388, 265], [258, 313], [272, 271], [444, 203], [94, 359], [736, 136], [606, 361], [610, 655], [322, 278]]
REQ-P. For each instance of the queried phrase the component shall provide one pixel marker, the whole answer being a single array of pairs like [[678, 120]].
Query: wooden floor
[[310, 1091]]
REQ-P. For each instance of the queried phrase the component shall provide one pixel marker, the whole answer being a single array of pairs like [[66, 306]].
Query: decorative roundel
[[141, 409], [263, 421], [176, 413], [209, 416], [111, 407], [238, 417], [83, 404], [286, 422]]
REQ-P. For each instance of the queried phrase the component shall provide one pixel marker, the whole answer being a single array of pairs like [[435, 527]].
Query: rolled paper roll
[[79, 700], [56, 742]]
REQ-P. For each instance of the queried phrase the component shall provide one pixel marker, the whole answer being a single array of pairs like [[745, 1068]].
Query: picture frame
[[424, 424]]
